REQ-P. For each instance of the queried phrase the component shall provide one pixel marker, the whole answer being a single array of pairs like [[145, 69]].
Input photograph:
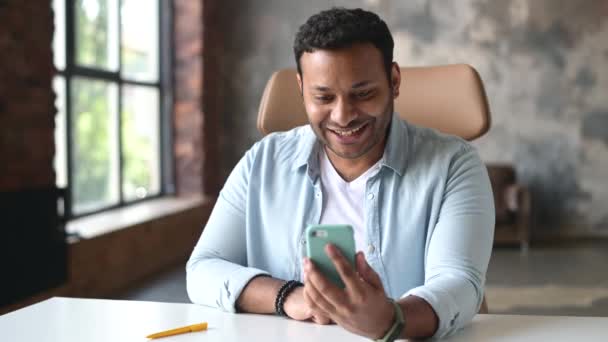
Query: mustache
[[350, 126]]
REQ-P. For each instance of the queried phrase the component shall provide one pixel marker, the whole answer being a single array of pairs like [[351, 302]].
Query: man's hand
[[361, 307], [297, 308]]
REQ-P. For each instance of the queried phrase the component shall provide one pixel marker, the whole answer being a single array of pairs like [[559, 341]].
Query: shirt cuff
[[234, 285], [443, 304]]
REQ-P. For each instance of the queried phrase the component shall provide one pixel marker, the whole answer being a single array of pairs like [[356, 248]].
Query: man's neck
[[351, 169]]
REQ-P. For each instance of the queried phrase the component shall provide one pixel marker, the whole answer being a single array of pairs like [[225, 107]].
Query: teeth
[[351, 132]]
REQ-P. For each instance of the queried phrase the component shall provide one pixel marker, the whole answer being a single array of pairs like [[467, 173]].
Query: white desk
[[92, 320]]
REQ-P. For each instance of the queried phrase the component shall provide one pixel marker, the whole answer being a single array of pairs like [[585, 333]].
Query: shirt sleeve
[[216, 272], [459, 246]]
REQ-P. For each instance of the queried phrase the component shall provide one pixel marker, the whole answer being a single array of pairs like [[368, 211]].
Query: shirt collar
[[394, 157], [397, 147], [307, 152]]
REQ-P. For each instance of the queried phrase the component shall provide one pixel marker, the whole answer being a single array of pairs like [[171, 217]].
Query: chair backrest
[[449, 98]]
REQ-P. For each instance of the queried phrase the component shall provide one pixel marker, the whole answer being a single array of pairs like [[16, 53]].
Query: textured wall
[[544, 63]]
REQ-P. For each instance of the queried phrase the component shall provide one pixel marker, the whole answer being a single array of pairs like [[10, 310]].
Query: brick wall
[[213, 84], [196, 130], [26, 98], [187, 80]]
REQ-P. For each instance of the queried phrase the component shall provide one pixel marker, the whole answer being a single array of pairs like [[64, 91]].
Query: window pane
[[95, 158], [59, 34], [139, 38], [97, 33], [140, 138], [60, 160]]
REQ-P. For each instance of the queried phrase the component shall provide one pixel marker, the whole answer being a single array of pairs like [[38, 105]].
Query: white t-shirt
[[344, 201]]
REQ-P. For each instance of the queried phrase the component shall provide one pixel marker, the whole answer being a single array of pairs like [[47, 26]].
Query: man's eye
[[364, 94], [325, 98]]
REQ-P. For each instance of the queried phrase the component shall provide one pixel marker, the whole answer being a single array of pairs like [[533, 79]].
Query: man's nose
[[343, 113]]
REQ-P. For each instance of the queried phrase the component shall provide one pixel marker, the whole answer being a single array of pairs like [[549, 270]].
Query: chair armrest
[[517, 198]]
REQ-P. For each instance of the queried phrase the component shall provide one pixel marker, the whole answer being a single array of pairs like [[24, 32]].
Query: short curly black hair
[[341, 27]]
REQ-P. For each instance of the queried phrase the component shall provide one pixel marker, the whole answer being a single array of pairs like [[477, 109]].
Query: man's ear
[[395, 79], [299, 79]]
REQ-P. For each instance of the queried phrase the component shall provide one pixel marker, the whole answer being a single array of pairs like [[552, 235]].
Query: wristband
[[284, 291]]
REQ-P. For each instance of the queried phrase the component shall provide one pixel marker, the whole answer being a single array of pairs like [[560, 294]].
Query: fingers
[[345, 269], [319, 292], [367, 272], [322, 284], [316, 314], [314, 299]]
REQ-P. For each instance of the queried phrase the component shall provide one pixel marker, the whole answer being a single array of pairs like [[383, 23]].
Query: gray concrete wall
[[544, 64]]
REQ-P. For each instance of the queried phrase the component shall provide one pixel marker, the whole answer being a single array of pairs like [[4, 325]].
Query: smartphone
[[317, 236]]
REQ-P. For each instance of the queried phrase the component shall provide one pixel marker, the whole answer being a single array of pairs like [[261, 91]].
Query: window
[[111, 128]]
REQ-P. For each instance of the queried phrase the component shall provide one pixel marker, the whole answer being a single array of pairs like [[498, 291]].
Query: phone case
[[317, 236]]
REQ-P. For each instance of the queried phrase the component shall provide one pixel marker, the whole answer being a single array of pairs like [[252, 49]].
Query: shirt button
[[371, 249], [318, 194], [370, 196]]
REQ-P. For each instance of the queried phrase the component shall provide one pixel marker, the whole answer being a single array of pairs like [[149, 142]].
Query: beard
[[378, 124]]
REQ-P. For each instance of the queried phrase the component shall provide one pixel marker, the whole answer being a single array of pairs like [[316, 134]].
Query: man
[[420, 202]]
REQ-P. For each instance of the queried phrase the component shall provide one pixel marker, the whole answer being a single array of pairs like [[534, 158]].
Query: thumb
[[367, 272]]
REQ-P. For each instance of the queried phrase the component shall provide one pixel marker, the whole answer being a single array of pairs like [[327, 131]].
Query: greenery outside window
[[112, 98]]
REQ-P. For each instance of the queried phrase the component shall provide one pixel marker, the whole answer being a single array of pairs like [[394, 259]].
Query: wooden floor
[[549, 280]]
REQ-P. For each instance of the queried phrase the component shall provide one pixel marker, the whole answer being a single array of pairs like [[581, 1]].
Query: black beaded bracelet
[[284, 291]]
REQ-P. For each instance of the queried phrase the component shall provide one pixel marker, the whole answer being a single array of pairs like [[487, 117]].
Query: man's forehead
[[357, 65], [359, 51]]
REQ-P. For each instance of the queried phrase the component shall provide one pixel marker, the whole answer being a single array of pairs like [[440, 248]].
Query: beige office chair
[[449, 98]]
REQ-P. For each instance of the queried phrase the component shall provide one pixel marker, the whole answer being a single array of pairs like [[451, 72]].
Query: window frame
[[165, 98]]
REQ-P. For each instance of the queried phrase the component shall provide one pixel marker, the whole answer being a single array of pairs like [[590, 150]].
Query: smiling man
[[419, 201]]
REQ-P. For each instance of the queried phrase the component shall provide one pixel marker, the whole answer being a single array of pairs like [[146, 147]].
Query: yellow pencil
[[186, 329]]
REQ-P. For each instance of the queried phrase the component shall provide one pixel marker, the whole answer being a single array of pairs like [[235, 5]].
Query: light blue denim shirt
[[429, 221]]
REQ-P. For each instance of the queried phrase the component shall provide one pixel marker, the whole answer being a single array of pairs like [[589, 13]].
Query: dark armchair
[[512, 202]]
